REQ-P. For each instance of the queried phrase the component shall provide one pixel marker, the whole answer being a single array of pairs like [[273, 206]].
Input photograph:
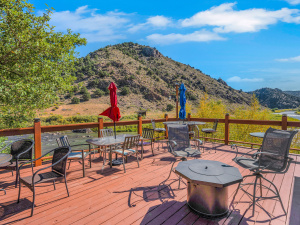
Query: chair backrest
[[106, 133], [24, 146], [215, 126], [131, 142], [179, 134], [148, 133], [59, 153], [63, 141], [277, 142], [153, 124]]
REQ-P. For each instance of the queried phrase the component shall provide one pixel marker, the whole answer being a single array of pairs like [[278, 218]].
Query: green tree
[[125, 91], [170, 107], [75, 100], [35, 61], [86, 96]]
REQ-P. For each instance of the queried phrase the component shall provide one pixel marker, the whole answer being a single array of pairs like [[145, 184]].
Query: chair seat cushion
[[42, 177], [77, 155], [208, 130], [126, 152], [188, 152], [247, 163], [159, 129]]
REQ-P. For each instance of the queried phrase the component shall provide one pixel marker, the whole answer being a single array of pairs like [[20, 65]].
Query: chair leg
[[54, 184], [33, 200], [17, 176], [12, 172], [152, 148], [69, 164], [83, 168], [124, 164], [254, 200], [137, 158], [19, 192], [235, 193], [67, 186], [260, 187], [276, 192], [142, 150]]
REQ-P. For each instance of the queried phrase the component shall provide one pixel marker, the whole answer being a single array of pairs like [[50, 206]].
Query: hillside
[[145, 79], [276, 98], [294, 93]]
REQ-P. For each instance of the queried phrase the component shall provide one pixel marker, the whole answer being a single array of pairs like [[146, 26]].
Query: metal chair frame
[[262, 168], [129, 143], [211, 131], [18, 158], [147, 135], [64, 141], [60, 174]]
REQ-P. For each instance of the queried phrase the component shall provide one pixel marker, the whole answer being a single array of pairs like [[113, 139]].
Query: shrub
[[125, 91], [75, 100], [170, 107], [83, 90], [98, 93], [86, 96]]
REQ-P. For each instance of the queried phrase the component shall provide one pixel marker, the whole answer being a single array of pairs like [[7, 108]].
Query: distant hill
[[145, 78], [276, 98], [294, 93]]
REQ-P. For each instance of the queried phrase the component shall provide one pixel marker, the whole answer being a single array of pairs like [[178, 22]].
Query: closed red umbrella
[[113, 112]]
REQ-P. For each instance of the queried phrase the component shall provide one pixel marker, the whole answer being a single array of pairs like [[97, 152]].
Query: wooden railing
[[37, 129]]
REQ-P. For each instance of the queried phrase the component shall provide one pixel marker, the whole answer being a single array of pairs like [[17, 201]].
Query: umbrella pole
[[115, 129]]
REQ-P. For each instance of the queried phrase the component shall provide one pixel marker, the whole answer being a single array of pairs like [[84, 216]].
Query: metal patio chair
[[76, 154], [211, 131], [146, 139], [58, 171], [127, 149], [272, 158], [21, 151], [179, 144]]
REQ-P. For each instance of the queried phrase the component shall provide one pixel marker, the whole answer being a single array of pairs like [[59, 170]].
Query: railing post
[[166, 133], [284, 122], [37, 141], [140, 124], [226, 128], [100, 125], [189, 116]]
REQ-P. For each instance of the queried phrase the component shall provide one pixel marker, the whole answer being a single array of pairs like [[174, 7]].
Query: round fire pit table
[[208, 182]]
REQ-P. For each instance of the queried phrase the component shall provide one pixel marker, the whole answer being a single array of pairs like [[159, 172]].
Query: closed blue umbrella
[[182, 112]]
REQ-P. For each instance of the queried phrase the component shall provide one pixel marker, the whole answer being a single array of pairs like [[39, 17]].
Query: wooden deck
[[112, 197]]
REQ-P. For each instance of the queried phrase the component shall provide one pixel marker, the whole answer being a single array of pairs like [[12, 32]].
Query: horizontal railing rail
[[37, 129]]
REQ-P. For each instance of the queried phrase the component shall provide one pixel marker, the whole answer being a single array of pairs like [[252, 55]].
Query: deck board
[[114, 197]]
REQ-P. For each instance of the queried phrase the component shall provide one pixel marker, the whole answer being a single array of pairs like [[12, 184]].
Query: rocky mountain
[[145, 78], [294, 93], [276, 98]]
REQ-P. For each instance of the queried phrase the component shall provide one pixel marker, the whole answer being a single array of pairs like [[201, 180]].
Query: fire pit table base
[[207, 200]]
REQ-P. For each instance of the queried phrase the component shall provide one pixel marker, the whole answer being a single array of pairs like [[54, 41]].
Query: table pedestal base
[[207, 200]]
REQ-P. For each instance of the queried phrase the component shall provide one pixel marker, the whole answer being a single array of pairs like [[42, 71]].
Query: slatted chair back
[[148, 133], [179, 134], [276, 142], [153, 124], [215, 126], [63, 141], [59, 153], [131, 142], [106, 133], [24, 146]]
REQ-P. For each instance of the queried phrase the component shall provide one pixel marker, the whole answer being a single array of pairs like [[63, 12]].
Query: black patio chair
[[127, 149], [272, 158], [76, 154], [179, 144], [58, 171], [146, 139], [21, 151], [211, 131]]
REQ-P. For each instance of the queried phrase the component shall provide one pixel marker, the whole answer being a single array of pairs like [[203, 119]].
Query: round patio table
[[4, 157], [258, 134]]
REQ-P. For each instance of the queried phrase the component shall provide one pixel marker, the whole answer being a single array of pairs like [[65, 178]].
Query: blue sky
[[249, 44]]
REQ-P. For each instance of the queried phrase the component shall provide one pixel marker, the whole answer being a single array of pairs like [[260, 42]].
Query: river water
[[291, 114]]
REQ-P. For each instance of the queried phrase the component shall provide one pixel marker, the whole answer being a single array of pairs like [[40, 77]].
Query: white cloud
[[237, 79], [92, 25], [293, 2], [197, 36], [292, 59], [152, 22], [226, 19]]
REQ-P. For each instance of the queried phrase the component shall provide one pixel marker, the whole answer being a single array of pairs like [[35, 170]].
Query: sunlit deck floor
[[114, 197]]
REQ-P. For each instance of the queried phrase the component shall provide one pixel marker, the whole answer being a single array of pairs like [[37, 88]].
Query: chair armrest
[[80, 145], [264, 153]]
